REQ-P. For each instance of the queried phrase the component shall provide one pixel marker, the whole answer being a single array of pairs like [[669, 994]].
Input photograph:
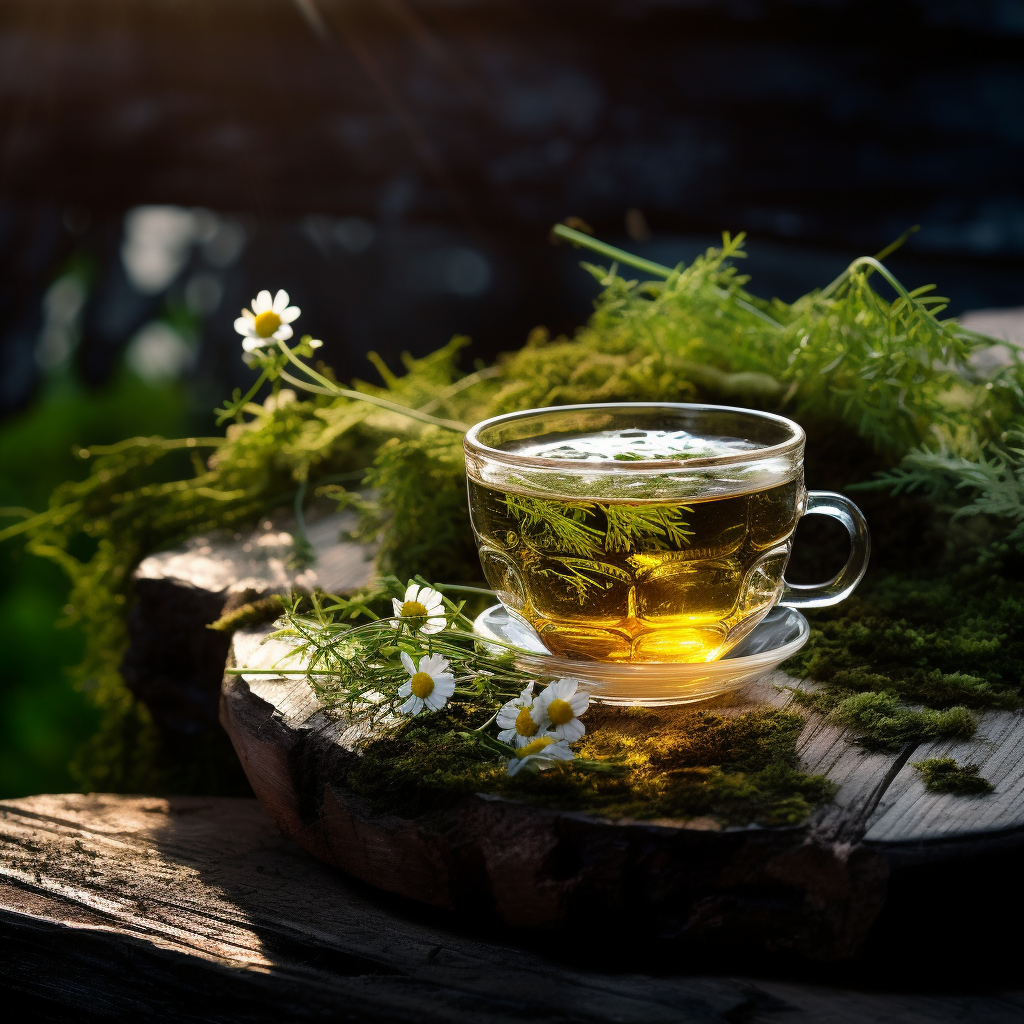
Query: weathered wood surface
[[174, 662], [197, 909]]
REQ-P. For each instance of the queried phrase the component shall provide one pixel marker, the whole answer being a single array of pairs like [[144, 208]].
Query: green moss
[[421, 518], [944, 775], [882, 721], [949, 639], [669, 763]]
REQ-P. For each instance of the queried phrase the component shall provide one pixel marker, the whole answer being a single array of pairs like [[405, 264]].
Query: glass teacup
[[647, 532]]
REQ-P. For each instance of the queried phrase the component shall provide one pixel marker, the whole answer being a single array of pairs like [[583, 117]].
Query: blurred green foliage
[[46, 719]]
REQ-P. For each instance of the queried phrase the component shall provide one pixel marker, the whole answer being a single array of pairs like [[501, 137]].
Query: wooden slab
[[197, 909], [815, 889], [828, 880]]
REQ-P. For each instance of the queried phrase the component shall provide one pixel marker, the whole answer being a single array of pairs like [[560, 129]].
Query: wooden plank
[[197, 909], [909, 813]]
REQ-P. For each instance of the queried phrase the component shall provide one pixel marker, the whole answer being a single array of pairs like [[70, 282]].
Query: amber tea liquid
[[637, 579]]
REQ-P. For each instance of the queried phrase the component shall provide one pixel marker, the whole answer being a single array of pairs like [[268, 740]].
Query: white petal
[[262, 302], [507, 735], [515, 763], [436, 700], [412, 591], [251, 344], [435, 665], [571, 731], [539, 713], [289, 314], [562, 689], [506, 717], [579, 702], [432, 626], [444, 685], [413, 706], [280, 301], [283, 333], [244, 327], [407, 663], [405, 689], [527, 694]]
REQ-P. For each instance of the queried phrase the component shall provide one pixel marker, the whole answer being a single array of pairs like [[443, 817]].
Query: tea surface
[[634, 445]]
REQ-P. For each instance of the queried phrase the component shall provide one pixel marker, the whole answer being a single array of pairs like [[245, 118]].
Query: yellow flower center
[[266, 323], [535, 746], [422, 685], [560, 712], [414, 610], [525, 725]]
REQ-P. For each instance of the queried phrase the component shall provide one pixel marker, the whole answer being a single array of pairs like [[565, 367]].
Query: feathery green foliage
[[991, 484]]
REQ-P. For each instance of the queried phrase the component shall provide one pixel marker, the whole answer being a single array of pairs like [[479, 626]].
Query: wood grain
[[197, 909]]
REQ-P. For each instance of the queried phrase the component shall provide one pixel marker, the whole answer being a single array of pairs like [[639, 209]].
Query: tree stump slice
[[813, 889]]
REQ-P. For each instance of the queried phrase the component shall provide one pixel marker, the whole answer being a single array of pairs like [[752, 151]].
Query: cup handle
[[818, 595]]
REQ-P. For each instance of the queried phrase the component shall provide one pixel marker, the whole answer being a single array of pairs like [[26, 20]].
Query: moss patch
[[944, 775], [949, 641], [669, 763]]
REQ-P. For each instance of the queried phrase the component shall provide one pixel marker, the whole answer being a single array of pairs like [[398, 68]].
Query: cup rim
[[475, 446]]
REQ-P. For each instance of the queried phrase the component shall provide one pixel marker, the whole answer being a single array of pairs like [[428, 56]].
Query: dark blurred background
[[396, 165]]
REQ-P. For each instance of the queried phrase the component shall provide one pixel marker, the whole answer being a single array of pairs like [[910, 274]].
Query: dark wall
[[396, 164]]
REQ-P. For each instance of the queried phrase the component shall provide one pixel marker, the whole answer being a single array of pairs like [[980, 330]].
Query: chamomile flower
[[558, 708], [543, 752], [430, 684], [515, 721], [422, 610], [267, 321]]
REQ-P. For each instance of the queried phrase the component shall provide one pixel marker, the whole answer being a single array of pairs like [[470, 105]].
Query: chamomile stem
[[465, 590], [578, 238], [328, 387], [460, 385]]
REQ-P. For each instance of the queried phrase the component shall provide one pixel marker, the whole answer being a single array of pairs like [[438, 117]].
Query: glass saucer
[[779, 635]]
